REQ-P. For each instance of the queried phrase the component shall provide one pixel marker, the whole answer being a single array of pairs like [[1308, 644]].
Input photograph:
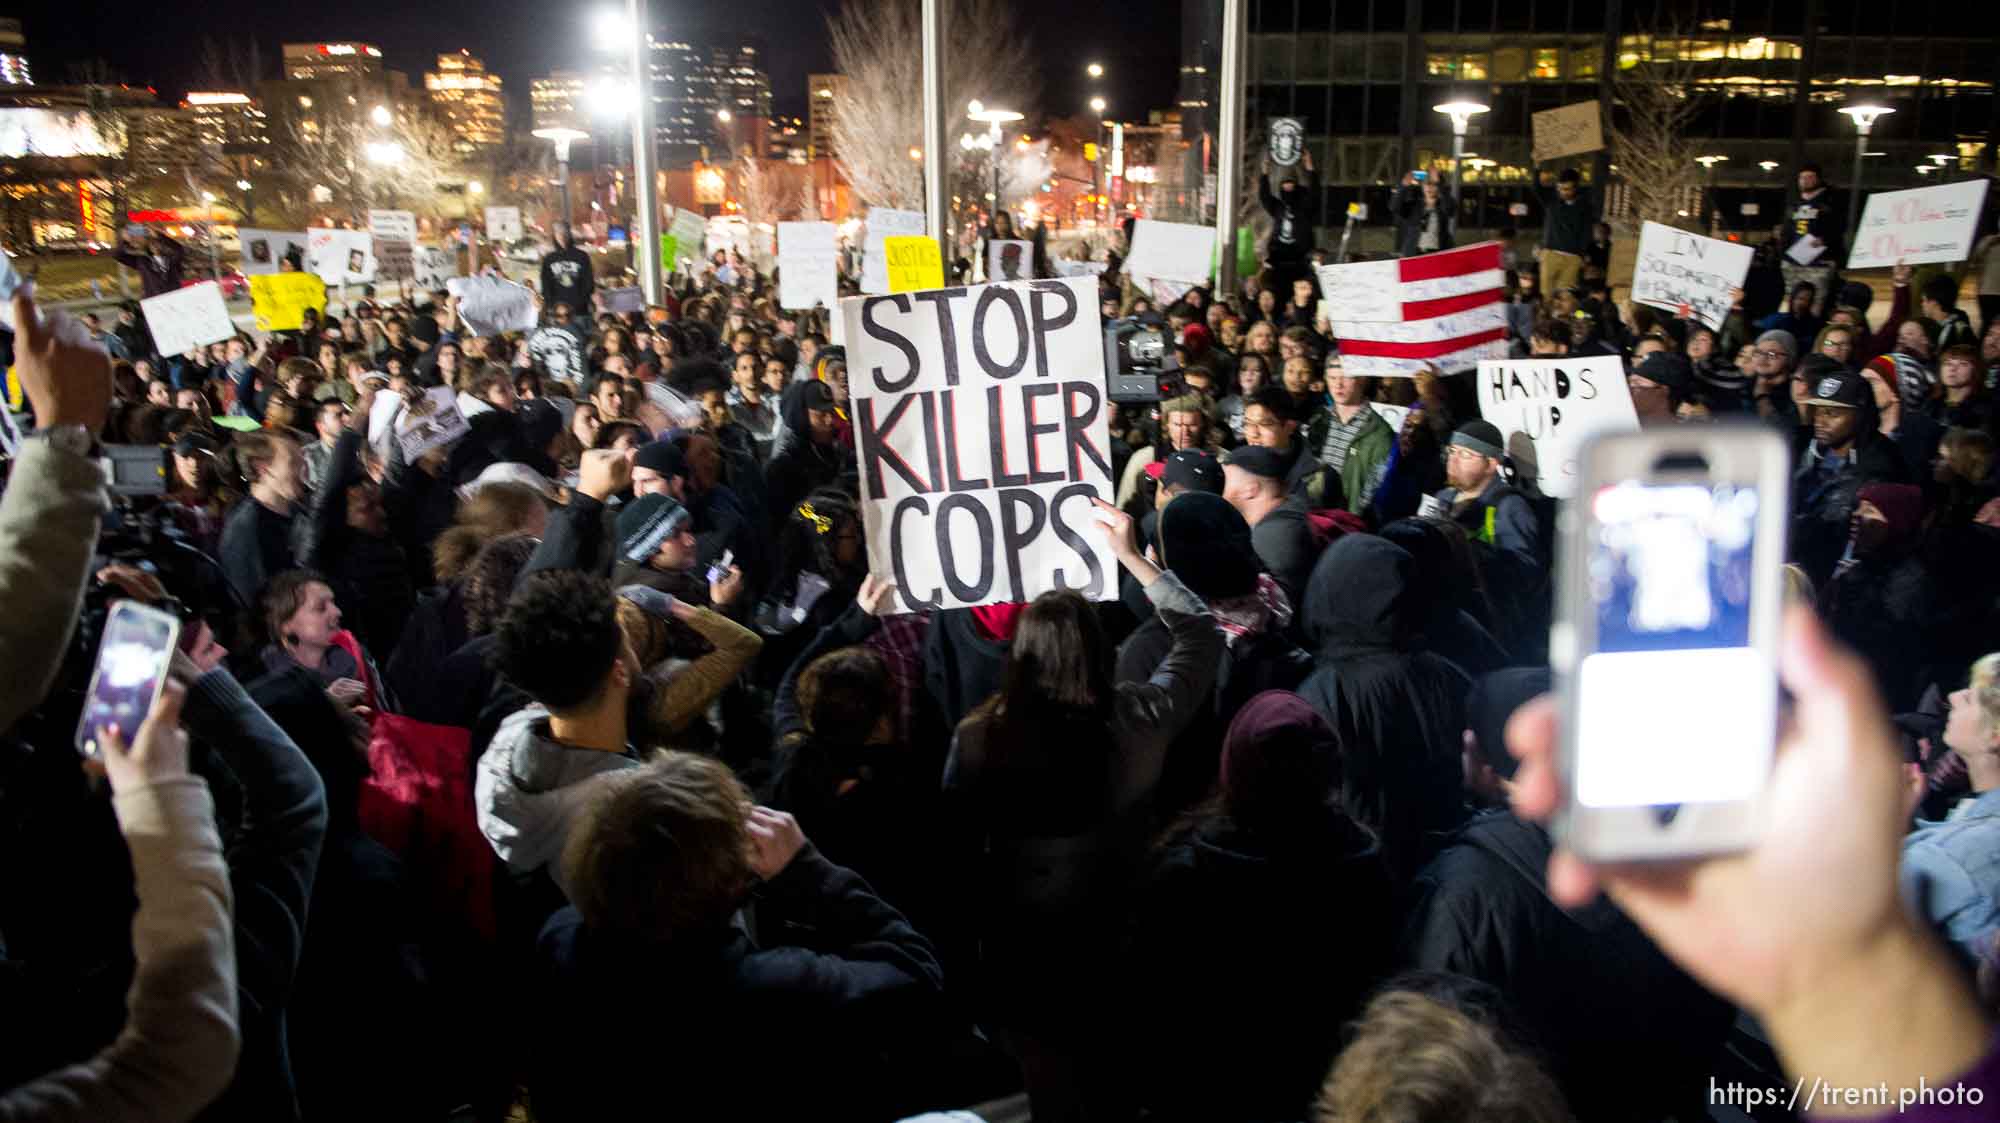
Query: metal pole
[[1457, 164], [1854, 193], [562, 169], [937, 187], [648, 233], [1229, 147]]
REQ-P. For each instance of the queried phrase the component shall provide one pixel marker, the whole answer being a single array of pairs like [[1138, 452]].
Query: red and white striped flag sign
[[1438, 309]]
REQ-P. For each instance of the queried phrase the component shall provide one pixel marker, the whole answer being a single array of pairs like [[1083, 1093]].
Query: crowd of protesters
[[581, 765]]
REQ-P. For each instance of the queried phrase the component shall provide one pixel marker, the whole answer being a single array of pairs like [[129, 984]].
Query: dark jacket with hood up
[[1397, 707], [799, 467]]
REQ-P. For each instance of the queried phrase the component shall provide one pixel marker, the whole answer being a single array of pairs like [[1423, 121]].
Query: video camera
[[1139, 360]]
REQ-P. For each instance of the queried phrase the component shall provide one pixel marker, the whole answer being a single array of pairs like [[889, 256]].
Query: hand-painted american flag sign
[[1438, 309]]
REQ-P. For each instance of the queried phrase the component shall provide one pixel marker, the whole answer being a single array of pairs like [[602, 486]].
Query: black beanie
[[1206, 544]]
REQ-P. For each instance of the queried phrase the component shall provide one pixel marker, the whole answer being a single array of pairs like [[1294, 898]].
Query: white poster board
[[1081, 268], [340, 257], [808, 266], [394, 261], [1010, 260], [1676, 269], [430, 421], [187, 318], [1171, 250], [1544, 409], [503, 224], [432, 267], [1569, 131], [393, 226], [262, 250], [1920, 226], [884, 222], [979, 462], [1285, 140], [625, 300], [490, 305]]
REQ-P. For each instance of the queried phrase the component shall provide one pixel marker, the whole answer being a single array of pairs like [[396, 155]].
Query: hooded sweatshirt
[[1397, 708], [531, 789]]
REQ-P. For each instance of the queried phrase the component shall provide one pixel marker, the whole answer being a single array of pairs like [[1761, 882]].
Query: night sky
[[159, 44]]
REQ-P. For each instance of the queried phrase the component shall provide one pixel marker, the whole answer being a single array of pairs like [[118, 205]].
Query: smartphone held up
[[132, 660], [1670, 585]]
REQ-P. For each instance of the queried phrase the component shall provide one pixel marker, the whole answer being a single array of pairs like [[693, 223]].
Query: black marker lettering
[[988, 296], [976, 591], [894, 339]]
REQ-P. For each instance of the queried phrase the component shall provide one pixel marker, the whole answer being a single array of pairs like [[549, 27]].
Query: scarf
[[1253, 614]]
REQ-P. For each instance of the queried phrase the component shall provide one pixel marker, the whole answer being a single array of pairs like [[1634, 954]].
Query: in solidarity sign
[[980, 419]]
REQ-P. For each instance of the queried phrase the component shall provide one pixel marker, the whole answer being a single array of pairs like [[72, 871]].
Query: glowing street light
[[381, 116], [1864, 118], [1097, 105], [563, 138], [609, 29], [1095, 70], [1461, 113], [722, 115], [475, 187], [242, 185]]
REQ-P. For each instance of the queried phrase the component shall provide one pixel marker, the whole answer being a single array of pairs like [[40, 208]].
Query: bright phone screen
[[1673, 703], [131, 662]]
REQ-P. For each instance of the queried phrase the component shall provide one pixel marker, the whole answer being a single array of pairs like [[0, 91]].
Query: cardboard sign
[[1171, 250], [431, 267], [1080, 268], [503, 224], [980, 426], [187, 318], [625, 300], [262, 250], [491, 305], [1918, 227], [1286, 140], [1677, 269], [883, 224], [1544, 409], [430, 421], [340, 256], [393, 226], [279, 300], [394, 261], [1010, 261], [808, 266], [1569, 131], [913, 262]]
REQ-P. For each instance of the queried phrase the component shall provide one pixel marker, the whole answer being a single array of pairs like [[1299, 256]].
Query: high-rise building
[[13, 57], [694, 81], [556, 102], [824, 95], [226, 119], [468, 99], [307, 61]]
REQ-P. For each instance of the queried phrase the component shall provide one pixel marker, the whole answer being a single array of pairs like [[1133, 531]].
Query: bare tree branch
[[1657, 100]]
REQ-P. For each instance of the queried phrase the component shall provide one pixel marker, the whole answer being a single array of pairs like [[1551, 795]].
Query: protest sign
[[431, 267], [1678, 269], [1442, 310], [1171, 251], [1394, 415], [1080, 268], [394, 261], [10, 431], [430, 421], [187, 318], [883, 224], [393, 226], [340, 256], [279, 300], [503, 224], [1285, 140], [980, 423], [690, 231], [1569, 131], [913, 262], [262, 250], [1544, 409], [490, 305], [1919, 226], [808, 269], [1010, 260], [625, 300]]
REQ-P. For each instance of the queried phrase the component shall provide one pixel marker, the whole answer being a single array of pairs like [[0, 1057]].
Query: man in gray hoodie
[[560, 641]]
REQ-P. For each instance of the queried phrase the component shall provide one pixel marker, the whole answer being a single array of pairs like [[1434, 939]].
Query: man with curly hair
[[560, 642]]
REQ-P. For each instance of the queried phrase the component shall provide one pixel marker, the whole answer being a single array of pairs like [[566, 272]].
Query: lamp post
[[1708, 168], [1864, 117], [563, 137], [994, 119], [1461, 113], [214, 246], [1097, 106], [611, 31]]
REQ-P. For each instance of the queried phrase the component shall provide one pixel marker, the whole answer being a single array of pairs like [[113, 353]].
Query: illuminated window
[[1440, 66], [1548, 63]]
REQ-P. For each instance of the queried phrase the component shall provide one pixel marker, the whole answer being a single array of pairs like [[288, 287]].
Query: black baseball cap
[[1844, 388], [1194, 469], [1258, 461]]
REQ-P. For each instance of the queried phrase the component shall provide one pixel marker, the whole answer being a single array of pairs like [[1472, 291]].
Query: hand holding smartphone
[[132, 659], [1666, 639]]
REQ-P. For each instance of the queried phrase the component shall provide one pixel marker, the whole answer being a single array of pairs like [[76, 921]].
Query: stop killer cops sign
[[980, 422]]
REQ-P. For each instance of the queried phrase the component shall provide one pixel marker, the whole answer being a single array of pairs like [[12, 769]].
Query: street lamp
[[1708, 166], [1864, 117], [1461, 113], [385, 152], [381, 116], [563, 137], [1095, 70], [1768, 165], [993, 119], [629, 34], [1097, 105]]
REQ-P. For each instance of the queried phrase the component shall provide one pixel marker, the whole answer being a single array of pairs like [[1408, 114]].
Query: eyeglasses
[[1769, 353]]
